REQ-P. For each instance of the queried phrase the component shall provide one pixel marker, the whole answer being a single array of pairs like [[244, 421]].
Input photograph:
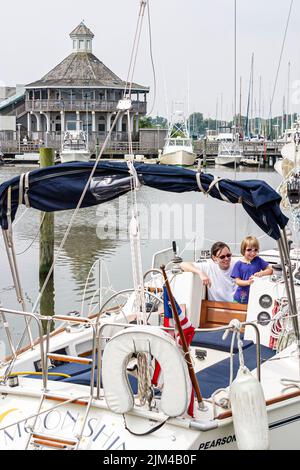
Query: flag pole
[[183, 340]]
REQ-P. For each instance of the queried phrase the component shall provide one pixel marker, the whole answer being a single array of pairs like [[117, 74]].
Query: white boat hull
[[104, 430], [67, 157], [228, 160], [178, 157], [250, 162]]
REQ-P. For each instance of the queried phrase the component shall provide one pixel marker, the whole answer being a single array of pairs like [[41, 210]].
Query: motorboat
[[89, 384], [75, 147], [250, 162], [27, 158], [229, 154], [178, 149]]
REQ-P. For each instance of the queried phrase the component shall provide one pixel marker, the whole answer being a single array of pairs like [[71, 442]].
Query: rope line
[[75, 213]]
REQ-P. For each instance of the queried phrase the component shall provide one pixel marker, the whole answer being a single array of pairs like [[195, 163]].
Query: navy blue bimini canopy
[[60, 187]]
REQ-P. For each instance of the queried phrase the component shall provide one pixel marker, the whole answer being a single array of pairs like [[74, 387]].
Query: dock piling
[[46, 245]]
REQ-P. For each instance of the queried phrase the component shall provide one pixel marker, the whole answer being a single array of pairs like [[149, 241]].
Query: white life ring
[[176, 391]]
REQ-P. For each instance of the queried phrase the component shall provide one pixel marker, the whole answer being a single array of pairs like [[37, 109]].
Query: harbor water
[[101, 232]]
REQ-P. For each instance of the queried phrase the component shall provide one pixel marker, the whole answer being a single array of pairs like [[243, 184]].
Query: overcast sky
[[192, 46]]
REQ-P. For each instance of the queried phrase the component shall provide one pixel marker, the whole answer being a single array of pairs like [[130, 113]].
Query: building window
[[81, 44], [74, 44], [88, 44]]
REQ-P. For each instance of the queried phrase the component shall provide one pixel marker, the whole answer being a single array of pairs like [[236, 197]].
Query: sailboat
[[92, 377], [90, 383], [178, 149]]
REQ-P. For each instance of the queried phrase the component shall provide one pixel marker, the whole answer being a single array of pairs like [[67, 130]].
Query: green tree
[[148, 122]]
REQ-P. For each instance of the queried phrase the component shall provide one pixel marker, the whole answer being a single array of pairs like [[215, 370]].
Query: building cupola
[[82, 38]]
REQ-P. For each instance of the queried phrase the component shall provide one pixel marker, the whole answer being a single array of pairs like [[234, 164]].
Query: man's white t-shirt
[[222, 285]]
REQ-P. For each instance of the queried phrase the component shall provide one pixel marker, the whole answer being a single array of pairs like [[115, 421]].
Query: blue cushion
[[70, 368], [213, 340], [209, 379], [85, 379], [217, 376]]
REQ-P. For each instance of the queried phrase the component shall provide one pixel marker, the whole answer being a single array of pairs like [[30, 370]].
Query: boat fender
[[249, 412]]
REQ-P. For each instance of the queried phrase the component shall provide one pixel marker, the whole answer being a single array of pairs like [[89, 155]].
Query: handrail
[[37, 318], [80, 320]]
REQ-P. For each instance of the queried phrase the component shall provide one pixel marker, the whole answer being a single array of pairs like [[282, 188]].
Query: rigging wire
[[75, 214], [280, 58], [134, 52], [152, 60], [35, 237], [131, 70]]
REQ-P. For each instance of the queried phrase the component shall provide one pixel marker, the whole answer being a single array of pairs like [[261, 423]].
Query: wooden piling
[[46, 245]]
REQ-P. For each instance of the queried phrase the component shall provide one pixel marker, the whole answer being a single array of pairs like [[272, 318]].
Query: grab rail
[[37, 318]]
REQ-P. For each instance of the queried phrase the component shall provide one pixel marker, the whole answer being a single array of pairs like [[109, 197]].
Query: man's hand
[[205, 280]]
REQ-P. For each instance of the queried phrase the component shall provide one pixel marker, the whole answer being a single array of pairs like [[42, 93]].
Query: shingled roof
[[82, 69], [82, 30]]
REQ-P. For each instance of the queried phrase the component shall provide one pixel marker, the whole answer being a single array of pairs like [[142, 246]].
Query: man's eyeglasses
[[229, 255], [251, 249]]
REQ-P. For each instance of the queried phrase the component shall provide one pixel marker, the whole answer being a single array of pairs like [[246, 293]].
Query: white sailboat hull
[[178, 157], [291, 152], [104, 430]]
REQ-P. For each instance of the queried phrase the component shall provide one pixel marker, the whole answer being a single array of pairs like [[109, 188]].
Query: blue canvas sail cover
[[60, 187]]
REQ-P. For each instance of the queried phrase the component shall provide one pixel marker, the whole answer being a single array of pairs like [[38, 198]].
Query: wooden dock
[[116, 148]]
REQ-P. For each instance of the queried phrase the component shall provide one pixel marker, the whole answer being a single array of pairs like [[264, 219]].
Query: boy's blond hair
[[249, 242]]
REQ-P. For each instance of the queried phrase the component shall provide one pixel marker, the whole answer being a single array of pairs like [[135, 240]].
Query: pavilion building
[[81, 93]]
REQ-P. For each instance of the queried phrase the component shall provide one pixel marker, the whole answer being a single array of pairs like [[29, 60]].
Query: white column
[[62, 121], [119, 123], [108, 121], [48, 121], [77, 121], [29, 124], [93, 121], [38, 122], [131, 122], [137, 128]]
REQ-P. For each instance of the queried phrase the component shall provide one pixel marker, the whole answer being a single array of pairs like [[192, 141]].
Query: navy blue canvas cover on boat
[[60, 187]]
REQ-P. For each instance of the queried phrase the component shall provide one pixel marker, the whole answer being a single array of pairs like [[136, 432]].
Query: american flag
[[188, 331]]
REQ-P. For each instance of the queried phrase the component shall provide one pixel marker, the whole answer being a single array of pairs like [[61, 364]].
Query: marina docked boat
[[75, 147], [93, 377], [229, 154], [250, 162], [178, 149]]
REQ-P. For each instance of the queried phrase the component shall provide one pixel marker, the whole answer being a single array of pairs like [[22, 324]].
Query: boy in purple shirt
[[250, 266]]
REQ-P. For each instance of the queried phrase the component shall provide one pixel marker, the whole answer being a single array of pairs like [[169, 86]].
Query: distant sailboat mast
[[289, 121], [249, 98], [259, 109]]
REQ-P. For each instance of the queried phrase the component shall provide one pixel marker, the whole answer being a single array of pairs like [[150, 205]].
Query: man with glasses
[[216, 273]]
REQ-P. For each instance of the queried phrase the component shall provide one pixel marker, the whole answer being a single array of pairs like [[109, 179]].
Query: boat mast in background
[[289, 121], [247, 126]]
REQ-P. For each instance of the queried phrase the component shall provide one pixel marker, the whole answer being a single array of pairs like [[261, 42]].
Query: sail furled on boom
[[60, 187]]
